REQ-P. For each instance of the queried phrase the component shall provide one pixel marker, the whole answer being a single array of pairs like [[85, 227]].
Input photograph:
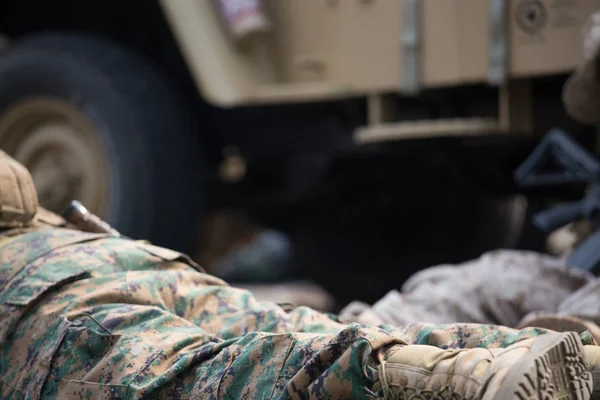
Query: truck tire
[[96, 122]]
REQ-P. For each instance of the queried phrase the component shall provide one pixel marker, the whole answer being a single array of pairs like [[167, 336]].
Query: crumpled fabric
[[583, 303], [501, 287]]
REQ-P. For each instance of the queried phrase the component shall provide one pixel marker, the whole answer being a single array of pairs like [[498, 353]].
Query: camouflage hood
[[18, 196]]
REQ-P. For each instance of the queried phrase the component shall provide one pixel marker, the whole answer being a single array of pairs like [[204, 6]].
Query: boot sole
[[554, 368]]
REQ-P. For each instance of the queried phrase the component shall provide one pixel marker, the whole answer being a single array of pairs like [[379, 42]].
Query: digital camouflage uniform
[[94, 316]]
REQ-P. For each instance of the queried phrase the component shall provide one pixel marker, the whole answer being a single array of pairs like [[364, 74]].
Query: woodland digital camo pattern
[[89, 316]]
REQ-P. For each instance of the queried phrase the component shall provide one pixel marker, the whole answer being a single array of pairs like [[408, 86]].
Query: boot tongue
[[418, 356], [428, 372]]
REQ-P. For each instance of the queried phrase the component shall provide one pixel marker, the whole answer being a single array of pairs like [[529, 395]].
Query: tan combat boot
[[557, 323], [561, 323], [551, 366]]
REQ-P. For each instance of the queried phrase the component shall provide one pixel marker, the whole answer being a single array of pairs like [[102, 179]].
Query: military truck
[[139, 108]]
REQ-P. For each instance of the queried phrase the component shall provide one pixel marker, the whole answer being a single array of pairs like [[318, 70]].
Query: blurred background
[[315, 151]]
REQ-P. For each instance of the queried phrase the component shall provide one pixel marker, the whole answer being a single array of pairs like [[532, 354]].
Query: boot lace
[[388, 392]]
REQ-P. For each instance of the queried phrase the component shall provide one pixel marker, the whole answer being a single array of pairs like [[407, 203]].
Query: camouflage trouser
[[85, 316]]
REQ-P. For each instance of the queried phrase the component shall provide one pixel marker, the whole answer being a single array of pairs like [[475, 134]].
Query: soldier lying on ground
[[86, 315], [98, 316]]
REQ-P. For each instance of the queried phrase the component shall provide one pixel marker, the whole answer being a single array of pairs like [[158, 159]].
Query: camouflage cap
[[581, 93], [18, 196]]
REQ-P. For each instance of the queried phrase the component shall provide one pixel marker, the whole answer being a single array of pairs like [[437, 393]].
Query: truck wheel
[[97, 123]]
